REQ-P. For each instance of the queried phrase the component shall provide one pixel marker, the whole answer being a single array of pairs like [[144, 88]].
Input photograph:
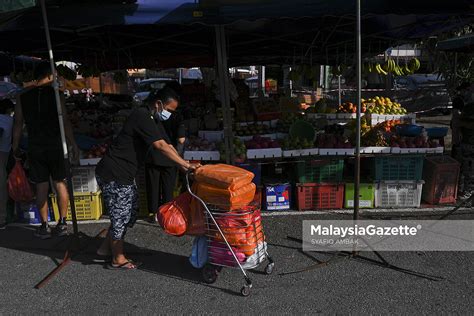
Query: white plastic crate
[[336, 151], [212, 136], [301, 152], [380, 118], [375, 150], [202, 155], [394, 194], [83, 179], [264, 153]]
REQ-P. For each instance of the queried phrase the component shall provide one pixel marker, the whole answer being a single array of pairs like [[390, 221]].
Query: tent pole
[[60, 116], [222, 71], [358, 102]]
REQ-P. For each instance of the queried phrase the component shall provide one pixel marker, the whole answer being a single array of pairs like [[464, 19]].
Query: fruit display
[[252, 129], [393, 67], [194, 143], [332, 141], [291, 143], [240, 150], [259, 142], [421, 141], [348, 107], [284, 124], [97, 151], [382, 105]]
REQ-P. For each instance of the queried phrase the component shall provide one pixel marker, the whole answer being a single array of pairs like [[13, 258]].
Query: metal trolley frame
[[244, 232]]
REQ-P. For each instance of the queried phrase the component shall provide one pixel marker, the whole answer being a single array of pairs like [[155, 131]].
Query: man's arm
[[17, 126], [172, 154]]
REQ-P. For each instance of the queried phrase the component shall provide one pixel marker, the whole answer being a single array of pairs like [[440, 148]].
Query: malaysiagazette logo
[[364, 231]]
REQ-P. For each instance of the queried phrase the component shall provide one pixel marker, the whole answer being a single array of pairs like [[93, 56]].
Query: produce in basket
[[259, 142], [198, 144]]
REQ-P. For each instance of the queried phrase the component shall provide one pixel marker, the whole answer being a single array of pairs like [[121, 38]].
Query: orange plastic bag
[[223, 176], [225, 199], [171, 217], [196, 218], [19, 188]]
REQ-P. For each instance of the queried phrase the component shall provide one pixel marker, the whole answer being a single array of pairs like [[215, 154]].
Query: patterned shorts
[[121, 203]]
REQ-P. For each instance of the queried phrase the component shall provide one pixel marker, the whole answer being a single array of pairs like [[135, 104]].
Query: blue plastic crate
[[256, 169]]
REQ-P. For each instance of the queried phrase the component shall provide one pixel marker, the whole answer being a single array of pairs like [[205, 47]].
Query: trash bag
[[199, 254], [223, 176], [171, 216], [225, 199], [219, 253], [19, 188]]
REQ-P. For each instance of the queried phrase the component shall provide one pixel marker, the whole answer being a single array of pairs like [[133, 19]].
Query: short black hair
[[42, 71], [5, 106], [165, 95]]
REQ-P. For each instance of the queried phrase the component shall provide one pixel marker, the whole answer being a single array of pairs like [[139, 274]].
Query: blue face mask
[[163, 115]]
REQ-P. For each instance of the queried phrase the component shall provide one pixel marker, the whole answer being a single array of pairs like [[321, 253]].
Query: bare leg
[[42, 200], [118, 257], [63, 197], [105, 247]]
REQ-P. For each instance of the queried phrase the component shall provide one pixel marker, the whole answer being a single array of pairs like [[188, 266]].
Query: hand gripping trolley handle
[[235, 239]]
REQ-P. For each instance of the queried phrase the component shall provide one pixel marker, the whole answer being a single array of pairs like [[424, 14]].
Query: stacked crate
[[318, 184], [399, 181], [87, 196], [441, 175]]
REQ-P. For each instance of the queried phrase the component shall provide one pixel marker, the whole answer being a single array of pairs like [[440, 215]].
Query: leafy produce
[[291, 143], [240, 151]]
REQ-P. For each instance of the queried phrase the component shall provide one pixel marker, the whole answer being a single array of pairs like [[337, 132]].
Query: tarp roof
[[458, 44], [169, 33]]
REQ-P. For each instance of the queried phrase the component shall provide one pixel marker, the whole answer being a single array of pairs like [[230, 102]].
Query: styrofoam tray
[[397, 150], [202, 155], [89, 161], [379, 118], [264, 153], [301, 152], [375, 150], [336, 151]]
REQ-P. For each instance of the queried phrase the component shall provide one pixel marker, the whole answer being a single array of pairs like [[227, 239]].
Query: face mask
[[163, 115]]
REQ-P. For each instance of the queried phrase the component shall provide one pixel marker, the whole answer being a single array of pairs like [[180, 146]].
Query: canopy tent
[[463, 44], [180, 33]]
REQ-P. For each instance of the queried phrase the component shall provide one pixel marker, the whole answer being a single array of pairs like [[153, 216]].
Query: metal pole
[[339, 89], [60, 115], [358, 102], [222, 71]]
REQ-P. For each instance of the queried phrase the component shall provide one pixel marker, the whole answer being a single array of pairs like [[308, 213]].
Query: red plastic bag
[[171, 217], [19, 188], [223, 176], [194, 213]]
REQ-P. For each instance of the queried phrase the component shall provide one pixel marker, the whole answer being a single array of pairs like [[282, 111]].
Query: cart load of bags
[[228, 192]]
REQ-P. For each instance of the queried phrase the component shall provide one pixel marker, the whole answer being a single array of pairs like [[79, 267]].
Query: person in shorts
[[117, 170], [36, 108]]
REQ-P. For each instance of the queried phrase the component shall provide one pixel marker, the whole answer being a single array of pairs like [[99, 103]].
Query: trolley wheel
[[269, 268], [209, 274], [245, 291]]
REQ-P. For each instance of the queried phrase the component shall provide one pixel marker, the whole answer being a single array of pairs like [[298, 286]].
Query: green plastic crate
[[366, 195], [398, 168], [319, 171]]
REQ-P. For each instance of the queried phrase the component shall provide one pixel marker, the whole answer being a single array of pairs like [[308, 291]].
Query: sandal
[[129, 265]]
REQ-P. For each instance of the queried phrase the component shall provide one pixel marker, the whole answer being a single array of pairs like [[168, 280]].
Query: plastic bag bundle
[[223, 176], [225, 199]]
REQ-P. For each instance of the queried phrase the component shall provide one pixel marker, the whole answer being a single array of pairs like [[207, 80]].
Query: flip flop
[[102, 259], [129, 265]]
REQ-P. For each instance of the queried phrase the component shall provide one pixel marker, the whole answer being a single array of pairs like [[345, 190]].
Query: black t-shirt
[[38, 105], [128, 150], [174, 129]]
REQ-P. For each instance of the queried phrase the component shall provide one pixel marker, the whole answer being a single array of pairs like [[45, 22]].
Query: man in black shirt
[[36, 108], [160, 171], [117, 170]]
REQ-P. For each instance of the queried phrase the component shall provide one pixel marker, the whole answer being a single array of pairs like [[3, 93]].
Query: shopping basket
[[235, 239]]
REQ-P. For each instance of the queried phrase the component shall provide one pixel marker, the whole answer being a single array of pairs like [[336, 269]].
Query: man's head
[[162, 103]]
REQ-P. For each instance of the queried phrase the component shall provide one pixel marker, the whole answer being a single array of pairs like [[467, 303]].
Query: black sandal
[[129, 265]]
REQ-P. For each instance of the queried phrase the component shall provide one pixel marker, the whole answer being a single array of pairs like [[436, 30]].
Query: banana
[[380, 70], [418, 64], [370, 68]]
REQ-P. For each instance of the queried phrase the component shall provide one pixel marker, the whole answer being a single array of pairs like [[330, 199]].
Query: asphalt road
[[166, 283]]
